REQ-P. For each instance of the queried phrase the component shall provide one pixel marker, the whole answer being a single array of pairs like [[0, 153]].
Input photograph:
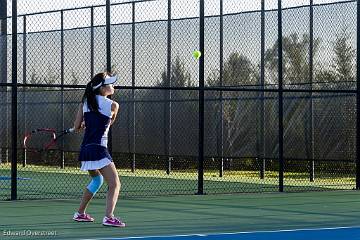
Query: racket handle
[[70, 130]]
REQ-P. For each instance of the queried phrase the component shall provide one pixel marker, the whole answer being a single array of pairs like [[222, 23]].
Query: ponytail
[[90, 98], [90, 92]]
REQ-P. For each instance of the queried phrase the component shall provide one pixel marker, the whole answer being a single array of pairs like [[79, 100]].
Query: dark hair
[[90, 93]]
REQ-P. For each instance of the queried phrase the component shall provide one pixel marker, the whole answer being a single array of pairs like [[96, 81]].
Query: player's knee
[[115, 184], [95, 184]]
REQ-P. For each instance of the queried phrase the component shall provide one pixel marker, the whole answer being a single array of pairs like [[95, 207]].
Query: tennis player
[[96, 114]]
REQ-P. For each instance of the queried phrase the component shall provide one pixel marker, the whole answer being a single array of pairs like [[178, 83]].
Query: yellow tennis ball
[[196, 54]]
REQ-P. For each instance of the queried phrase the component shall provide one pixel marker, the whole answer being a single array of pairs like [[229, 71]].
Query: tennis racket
[[42, 139]]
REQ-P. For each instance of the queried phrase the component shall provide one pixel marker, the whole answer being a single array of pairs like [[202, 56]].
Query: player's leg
[[111, 177], [91, 189], [89, 192]]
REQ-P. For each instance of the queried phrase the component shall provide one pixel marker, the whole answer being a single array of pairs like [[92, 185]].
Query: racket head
[[40, 139]]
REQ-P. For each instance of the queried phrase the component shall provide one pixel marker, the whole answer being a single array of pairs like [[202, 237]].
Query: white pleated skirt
[[94, 165]]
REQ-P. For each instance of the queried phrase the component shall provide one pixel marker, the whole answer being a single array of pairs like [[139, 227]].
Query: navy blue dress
[[94, 152]]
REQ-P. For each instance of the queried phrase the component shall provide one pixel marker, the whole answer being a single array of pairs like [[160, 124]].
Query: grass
[[54, 182]]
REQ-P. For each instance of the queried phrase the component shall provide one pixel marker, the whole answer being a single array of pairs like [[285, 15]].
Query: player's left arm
[[114, 111]]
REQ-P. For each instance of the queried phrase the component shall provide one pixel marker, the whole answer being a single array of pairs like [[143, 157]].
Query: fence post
[[62, 157], [261, 141], [358, 98], [280, 98], [133, 112], [108, 56], [220, 133], [201, 102], [92, 42], [167, 128], [4, 75], [14, 103], [24, 81], [311, 72], [3, 43]]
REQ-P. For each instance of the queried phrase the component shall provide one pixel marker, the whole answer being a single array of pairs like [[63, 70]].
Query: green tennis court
[[185, 215]]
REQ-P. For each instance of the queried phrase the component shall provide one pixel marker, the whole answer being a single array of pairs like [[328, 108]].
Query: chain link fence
[[259, 135]]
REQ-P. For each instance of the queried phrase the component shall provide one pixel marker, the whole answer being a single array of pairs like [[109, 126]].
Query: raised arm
[[78, 123], [114, 111]]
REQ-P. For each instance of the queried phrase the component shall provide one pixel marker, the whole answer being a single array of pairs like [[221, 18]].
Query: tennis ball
[[196, 54]]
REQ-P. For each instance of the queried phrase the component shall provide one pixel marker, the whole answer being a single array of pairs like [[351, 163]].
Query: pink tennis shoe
[[113, 222], [82, 217]]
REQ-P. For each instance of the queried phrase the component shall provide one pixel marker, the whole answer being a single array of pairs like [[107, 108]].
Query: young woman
[[96, 114]]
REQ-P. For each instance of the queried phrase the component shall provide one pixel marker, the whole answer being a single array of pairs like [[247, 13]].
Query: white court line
[[231, 233]]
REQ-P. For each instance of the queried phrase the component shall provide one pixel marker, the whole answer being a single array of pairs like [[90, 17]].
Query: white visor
[[108, 80]]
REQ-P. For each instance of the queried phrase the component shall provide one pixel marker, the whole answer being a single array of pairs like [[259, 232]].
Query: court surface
[[310, 215]]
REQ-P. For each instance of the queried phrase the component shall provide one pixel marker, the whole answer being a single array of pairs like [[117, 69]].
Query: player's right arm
[[78, 123]]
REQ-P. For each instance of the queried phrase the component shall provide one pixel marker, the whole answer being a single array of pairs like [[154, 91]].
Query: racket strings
[[39, 140], [43, 139]]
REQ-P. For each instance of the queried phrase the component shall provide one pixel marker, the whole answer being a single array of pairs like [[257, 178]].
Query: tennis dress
[[94, 153]]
